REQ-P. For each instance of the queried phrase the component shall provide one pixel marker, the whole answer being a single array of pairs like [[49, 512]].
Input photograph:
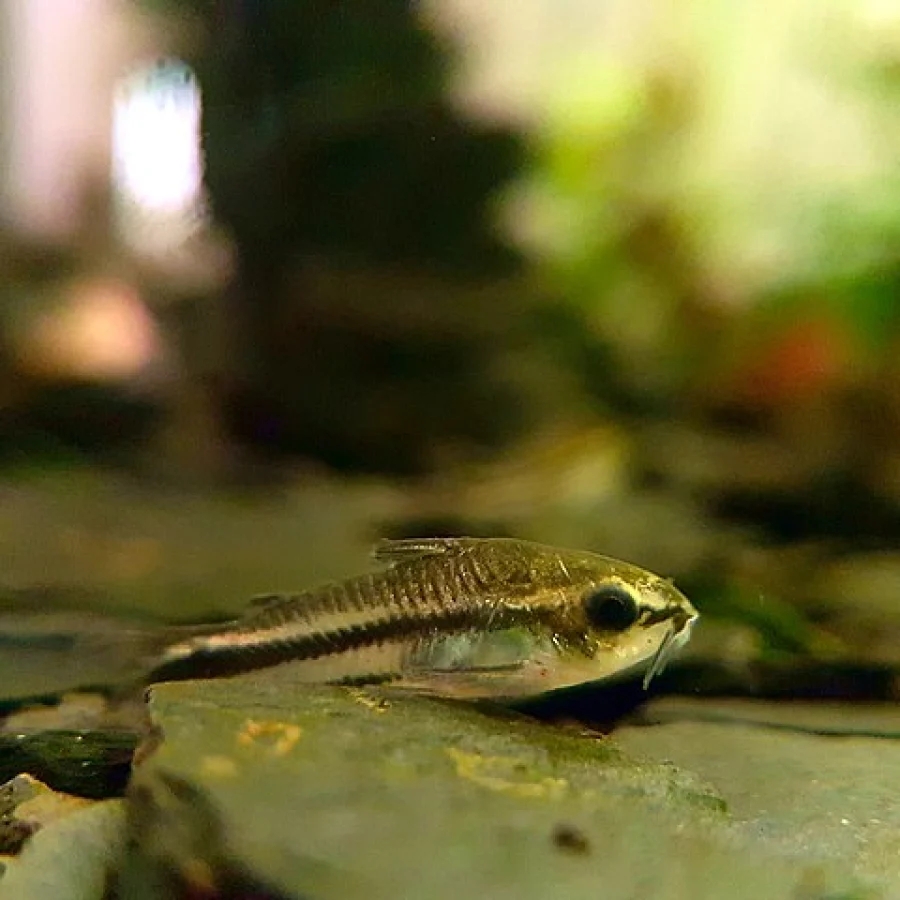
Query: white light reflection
[[157, 164]]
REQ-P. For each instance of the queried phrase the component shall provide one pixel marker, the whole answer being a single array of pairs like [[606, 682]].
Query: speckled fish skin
[[466, 617]]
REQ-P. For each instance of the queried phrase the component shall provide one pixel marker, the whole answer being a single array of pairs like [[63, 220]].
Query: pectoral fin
[[483, 683]]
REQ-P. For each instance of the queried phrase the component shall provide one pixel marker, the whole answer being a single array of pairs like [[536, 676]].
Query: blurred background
[[278, 278]]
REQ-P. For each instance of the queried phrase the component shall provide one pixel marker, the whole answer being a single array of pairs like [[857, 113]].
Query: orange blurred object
[[805, 359], [102, 331]]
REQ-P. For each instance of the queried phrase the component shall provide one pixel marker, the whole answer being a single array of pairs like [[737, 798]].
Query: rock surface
[[73, 847], [343, 793], [816, 781]]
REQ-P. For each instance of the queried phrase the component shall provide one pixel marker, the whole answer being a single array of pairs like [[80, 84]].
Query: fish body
[[483, 618]]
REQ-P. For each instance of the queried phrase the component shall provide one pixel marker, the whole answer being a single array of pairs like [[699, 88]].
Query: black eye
[[611, 609]]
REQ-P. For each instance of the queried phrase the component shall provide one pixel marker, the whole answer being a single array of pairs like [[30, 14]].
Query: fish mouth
[[681, 621]]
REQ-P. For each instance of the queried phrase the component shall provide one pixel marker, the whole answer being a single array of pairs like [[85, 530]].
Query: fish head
[[596, 616]]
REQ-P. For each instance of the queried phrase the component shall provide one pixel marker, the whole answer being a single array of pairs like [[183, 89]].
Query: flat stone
[[346, 793], [818, 781]]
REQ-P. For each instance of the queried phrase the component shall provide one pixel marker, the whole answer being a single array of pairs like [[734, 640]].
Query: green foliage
[[677, 190], [781, 626]]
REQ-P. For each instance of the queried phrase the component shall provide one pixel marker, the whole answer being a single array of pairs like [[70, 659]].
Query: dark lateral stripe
[[224, 660]]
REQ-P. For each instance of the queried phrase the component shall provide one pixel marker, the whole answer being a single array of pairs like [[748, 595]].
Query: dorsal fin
[[407, 549], [261, 601]]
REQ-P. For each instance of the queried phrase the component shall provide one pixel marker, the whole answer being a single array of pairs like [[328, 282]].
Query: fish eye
[[611, 608]]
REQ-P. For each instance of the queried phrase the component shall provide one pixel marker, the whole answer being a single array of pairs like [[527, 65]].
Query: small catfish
[[479, 618]]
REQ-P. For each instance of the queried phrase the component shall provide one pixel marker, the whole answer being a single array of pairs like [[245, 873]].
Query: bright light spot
[[157, 159]]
